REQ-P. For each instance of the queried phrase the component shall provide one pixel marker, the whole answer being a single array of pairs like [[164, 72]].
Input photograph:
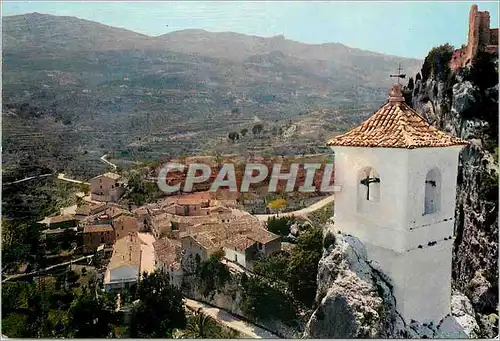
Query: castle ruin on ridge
[[480, 38]]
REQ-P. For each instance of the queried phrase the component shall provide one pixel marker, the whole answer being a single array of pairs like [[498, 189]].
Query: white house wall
[[235, 256]]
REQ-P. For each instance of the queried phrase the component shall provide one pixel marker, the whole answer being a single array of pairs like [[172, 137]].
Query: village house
[[124, 268], [175, 214], [242, 240], [88, 209], [95, 235], [168, 259], [61, 222], [124, 224], [108, 187]]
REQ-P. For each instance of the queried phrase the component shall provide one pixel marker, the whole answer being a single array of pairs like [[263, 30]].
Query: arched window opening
[[369, 185], [432, 199]]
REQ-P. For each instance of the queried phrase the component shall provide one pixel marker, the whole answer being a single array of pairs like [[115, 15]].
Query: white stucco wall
[[380, 223], [408, 246], [236, 256]]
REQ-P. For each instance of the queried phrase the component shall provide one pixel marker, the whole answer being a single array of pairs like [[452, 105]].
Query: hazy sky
[[400, 28]]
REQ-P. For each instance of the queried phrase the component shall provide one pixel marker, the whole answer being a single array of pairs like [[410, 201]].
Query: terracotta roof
[[110, 175], [240, 243], [61, 219], [83, 210], [167, 250], [97, 228], [115, 212], [396, 125], [126, 251], [239, 234]]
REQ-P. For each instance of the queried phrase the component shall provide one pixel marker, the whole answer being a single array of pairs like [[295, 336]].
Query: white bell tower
[[398, 177]]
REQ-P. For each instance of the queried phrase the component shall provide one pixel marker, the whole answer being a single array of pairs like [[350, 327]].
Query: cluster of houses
[[173, 234]]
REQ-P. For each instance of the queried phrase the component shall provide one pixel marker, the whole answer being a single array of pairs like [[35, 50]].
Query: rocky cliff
[[465, 104]]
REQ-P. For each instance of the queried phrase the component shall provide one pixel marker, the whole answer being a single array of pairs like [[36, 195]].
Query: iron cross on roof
[[399, 74]]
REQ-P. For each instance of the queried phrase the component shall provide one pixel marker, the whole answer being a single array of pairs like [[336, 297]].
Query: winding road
[[61, 176], [28, 178], [302, 212], [103, 159]]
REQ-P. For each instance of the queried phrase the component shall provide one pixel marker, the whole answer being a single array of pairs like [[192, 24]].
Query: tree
[[235, 111], [418, 77], [88, 318], [233, 136], [303, 266], [263, 300], [272, 266], [244, 131], [437, 62], [160, 309], [279, 226], [278, 204], [257, 129], [200, 326], [411, 84], [212, 273]]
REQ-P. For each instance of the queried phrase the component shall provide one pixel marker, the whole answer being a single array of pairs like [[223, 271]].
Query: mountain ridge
[[190, 31]]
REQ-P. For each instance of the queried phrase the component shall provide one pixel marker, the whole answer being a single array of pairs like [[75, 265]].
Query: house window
[[369, 185], [432, 198], [235, 257], [100, 187], [259, 246]]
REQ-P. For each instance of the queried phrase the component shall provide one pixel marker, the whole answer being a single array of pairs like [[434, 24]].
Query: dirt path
[[61, 176], [230, 321], [26, 179], [302, 212], [103, 159]]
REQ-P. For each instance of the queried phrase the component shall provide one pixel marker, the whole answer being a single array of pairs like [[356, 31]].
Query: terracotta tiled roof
[[126, 251], [97, 228], [396, 125], [239, 234], [167, 250], [61, 218], [110, 175]]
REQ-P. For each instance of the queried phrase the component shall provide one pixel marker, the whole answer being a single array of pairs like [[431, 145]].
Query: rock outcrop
[[353, 300]]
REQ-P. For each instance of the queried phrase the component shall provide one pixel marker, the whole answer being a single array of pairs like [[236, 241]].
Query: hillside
[[116, 91]]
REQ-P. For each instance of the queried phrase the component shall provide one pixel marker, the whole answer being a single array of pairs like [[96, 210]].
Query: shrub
[[437, 62], [279, 226], [212, 274], [328, 239], [261, 300]]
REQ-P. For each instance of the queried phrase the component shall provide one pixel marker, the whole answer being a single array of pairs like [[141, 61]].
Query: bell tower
[[398, 178]]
